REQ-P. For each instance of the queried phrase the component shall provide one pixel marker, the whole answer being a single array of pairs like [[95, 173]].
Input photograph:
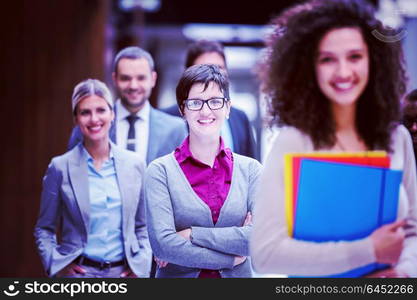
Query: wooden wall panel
[[47, 46]]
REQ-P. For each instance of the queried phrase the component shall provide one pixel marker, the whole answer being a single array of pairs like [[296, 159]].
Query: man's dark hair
[[133, 53], [200, 47]]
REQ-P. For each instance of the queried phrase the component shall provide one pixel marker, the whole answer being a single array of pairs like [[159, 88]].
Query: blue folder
[[339, 201]]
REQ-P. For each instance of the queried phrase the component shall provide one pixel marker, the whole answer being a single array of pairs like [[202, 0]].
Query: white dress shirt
[[141, 128], [226, 134]]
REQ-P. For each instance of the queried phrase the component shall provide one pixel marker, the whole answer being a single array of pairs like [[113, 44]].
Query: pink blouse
[[210, 184]]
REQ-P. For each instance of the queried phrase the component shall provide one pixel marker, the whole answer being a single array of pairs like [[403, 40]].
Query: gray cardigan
[[172, 205]]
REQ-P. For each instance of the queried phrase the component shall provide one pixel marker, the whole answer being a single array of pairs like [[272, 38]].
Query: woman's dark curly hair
[[289, 80]]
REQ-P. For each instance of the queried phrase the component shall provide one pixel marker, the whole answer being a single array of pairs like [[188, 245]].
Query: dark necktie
[[131, 136]]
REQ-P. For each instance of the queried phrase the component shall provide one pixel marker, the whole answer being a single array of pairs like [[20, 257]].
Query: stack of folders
[[340, 197]]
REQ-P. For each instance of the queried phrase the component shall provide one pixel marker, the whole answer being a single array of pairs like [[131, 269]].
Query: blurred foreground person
[[342, 97]]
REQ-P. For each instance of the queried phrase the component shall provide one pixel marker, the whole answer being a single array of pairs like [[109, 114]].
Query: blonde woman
[[93, 191]]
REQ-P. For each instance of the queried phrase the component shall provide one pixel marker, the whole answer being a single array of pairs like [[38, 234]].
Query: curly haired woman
[[334, 86]]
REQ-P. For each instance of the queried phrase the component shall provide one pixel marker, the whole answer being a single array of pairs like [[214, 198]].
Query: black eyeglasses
[[212, 103]]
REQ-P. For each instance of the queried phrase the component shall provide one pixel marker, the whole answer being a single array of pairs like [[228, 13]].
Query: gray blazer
[[172, 205], [65, 201], [165, 134]]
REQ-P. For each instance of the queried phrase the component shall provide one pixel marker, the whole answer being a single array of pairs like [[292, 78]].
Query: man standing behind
[[410, 117], [138, 126]]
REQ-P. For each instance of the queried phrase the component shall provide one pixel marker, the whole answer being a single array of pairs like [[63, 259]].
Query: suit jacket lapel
[[112, 131], [154, 136], [234, 127], [122, 174], [78, 174]]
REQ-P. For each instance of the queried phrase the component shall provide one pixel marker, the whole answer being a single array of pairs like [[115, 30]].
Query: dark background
[[220, 11]]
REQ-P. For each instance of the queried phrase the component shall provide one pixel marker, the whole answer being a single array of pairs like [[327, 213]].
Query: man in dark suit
[[138, 126], [410, 117], [237, 131]]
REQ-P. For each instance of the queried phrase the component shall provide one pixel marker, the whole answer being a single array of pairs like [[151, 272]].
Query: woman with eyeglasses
[[199, 198]]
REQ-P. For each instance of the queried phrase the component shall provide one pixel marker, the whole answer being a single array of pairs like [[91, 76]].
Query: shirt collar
[[184, 152], [143, 114], [223, 150], [89, 158]]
